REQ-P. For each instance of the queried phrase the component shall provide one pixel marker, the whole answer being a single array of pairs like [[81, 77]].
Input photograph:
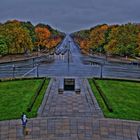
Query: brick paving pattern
[[70, 128], [70, 117], [69, 103]]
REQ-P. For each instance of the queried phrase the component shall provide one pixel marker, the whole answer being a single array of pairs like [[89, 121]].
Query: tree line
[[121, 40], [19, 37]]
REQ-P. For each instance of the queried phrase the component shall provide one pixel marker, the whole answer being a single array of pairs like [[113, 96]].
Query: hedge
[[33, 99], [106, 101], [119, 79], [18, 79]]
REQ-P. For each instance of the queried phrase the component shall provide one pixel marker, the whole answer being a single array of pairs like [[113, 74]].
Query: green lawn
[[15, 96], [124, 97]]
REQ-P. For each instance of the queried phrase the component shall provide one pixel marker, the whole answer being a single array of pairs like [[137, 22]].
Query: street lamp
[[69, 52], [37, 71], [14, 68], [68, 49], [106, 54], [101, 74], [38, 50]]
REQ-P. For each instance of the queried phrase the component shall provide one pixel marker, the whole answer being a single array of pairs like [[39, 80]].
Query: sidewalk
[[70, 128], [116, 59], [16, 58]]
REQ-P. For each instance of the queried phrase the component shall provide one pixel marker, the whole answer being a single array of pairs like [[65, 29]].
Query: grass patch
[[16, 95], [124, 97], [104, 97]]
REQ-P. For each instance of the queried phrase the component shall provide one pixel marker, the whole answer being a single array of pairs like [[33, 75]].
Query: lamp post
[[69, 52], [33, 61], [68, 49], [101, 71], [37, 71], [38, 50], [106, 54], [14, 68]]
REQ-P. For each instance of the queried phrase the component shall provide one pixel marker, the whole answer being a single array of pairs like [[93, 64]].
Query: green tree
[[122, 40], [19, 39], [31, 29], [3, 46]]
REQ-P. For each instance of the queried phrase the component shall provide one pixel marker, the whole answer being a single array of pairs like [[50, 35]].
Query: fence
[[23, 68]]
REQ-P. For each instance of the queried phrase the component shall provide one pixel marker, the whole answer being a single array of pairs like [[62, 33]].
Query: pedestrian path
[[71, 104], [70, 128]]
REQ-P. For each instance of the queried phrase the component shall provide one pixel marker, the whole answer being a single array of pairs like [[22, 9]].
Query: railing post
[[37, 72], [13, 71], [101, 74], [33, 62]]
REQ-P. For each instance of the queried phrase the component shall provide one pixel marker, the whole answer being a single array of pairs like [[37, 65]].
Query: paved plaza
[[70, 116], [70, 104], [70, 128]]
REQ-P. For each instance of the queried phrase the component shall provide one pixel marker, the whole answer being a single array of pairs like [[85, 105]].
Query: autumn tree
[[47, 37], [22, 37], [82, 39], [53, 42], [42, 36], [97, 38]]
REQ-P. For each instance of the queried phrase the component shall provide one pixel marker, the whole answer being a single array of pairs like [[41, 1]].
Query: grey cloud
[[71, 15]]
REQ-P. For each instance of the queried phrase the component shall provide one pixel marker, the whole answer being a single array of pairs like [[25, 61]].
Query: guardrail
[[23, 68]]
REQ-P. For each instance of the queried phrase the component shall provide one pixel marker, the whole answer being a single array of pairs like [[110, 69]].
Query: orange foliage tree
[[53, 41], [42, 36], [84, 45]]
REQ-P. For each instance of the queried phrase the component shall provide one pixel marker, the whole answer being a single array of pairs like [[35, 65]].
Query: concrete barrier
[[77, 86], [61, 86]]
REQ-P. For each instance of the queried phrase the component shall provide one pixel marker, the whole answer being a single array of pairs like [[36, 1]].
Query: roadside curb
[[97, 107]]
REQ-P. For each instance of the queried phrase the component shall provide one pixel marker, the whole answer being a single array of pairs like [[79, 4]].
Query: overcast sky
[[71, 15]]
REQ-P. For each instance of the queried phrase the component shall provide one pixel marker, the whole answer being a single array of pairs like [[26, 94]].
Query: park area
[[17, 95], [122, 98]]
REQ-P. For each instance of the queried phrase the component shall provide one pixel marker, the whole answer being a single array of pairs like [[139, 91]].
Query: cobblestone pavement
[[70, 128], [71, 104], [70, 116]]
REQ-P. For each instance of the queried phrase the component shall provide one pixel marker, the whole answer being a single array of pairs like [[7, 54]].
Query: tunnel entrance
[[69, 84]]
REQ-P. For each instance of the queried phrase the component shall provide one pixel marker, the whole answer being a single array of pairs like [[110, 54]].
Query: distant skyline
[[71, 15]]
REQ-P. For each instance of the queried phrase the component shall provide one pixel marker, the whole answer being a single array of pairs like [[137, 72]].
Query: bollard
[[14, 71]]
